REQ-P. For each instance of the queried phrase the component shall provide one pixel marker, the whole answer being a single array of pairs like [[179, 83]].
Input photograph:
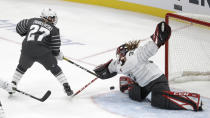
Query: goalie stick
[[84, 87], [46, 95]]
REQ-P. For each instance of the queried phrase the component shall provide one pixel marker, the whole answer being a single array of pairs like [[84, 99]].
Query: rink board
[[126, 6], [119, 103]]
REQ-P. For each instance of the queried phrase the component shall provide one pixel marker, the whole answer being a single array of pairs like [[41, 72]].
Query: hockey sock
[[61, 78], [17, 76]]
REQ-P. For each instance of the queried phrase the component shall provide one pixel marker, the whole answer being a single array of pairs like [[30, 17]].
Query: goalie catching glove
[[162, 34], [102, 71]]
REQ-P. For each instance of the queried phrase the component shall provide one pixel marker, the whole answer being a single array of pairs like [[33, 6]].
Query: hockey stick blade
[[46, 95]]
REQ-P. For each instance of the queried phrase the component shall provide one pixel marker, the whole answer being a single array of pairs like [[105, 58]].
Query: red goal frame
[[184, 18]]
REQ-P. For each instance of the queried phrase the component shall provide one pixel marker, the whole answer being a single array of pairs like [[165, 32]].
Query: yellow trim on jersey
[[126, 6]]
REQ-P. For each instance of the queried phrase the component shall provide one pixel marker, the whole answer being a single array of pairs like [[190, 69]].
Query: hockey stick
[[79, 66], [46, 95], [86, 71], [84, 87]]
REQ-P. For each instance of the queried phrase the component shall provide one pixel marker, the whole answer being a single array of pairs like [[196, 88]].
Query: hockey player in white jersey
[[9, 88], [143, 76]]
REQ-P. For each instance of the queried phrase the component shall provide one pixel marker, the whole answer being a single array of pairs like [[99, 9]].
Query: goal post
[[187, 53]]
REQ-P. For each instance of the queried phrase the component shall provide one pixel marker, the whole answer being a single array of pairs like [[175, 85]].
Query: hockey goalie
[[144, 77]]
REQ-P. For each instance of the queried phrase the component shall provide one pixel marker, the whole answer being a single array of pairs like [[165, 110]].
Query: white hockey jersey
[[137, 66]]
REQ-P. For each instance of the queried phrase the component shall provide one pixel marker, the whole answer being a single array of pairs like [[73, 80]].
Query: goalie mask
[[121, 53], [49, 15]]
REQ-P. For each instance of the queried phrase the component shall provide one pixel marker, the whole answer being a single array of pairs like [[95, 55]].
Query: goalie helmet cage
[[187, 53]]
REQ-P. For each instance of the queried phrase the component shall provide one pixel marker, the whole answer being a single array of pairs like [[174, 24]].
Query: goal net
[[187, 53]]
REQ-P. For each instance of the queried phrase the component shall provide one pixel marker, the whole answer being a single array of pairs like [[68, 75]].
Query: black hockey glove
[[102, 71], [162, 34]]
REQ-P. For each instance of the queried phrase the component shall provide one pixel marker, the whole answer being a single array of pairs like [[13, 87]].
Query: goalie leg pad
[[185, 100], [158, 100], [176, 100]]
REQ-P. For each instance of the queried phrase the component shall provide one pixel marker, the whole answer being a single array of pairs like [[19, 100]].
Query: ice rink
[[90, 35]]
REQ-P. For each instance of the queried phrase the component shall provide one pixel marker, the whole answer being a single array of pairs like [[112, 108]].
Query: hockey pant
[[39, 54]]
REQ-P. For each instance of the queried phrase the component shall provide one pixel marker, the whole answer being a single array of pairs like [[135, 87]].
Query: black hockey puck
[[111, 88]]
